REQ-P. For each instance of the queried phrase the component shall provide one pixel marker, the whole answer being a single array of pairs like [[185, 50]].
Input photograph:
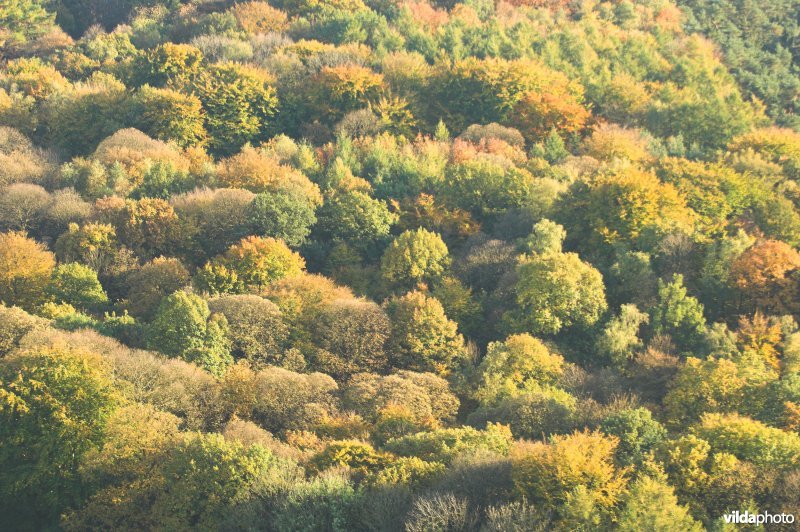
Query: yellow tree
[[763, 276], [25, 269]]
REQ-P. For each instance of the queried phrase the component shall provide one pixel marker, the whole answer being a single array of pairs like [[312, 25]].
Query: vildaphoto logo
[[763, 518]]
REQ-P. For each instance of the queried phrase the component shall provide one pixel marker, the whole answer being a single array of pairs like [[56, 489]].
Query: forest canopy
[[415, 265]]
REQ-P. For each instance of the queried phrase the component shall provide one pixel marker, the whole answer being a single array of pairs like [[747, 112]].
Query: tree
[[155, 280], [259, 17], [15, 323], [77, 285], [54, 404], [149, 227], [424, 397], [485, 188], [609, 142], [239, 104], [423, 339], [169, 115], [354, 217], [350, 336], [443, 445], [24, 19], [278, 399], [709, 385], [78, 119], [763, 276], [258, 261], [259, 171], [23, 206], [255, 327], [359, 457], [548, 473], [184, 327], [546, 237], [284, 215], [414, 257], [25, 270], [195, 482], [219, 216], [777, 145], [523, 93], [651, 504], [93, 244], [750, 440], [620, 337], [167, 64], [518, 363], [638, 434], [556, 291], [342, 88], [678, 315], [532, 412], [631, 207]]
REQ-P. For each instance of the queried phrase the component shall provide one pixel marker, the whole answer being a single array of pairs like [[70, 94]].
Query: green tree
[[184, 327], [620, 340], [679, 315], [630, 207], [24, 19], [54, 404], [651, 504], [546, 237], [443, 445], [239, 104], [638, 434], [750, 440], [169, 115], [556, 291], [79, 119], [414, 257], [197, 482], [286, 215], [711, 385], [77, 285], [486, 188], [423, 338], [354, 217]]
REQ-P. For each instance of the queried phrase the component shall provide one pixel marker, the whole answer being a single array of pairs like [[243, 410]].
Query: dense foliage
[[416, 265]]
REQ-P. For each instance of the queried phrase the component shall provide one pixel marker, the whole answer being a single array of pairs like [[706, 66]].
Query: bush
[[441, 513]]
